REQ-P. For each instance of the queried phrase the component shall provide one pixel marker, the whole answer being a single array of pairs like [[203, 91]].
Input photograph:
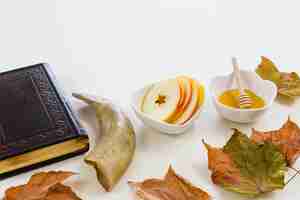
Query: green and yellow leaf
[[246, 167], [288, 84]]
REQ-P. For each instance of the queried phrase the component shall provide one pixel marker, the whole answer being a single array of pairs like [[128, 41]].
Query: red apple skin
[[187, 96], [188, 111], [182, 93], [201, 97]]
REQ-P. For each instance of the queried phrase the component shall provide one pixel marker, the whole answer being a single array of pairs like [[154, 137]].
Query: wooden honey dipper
[[244, 99]]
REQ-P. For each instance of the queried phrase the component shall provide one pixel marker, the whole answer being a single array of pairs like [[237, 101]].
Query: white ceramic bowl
[[263, 88], [156, 124]]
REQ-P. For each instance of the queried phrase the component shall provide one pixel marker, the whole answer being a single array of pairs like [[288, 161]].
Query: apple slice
[[186, 84], [182, 93], [162, 100], [201, 98], [193, 104], [181, 100]]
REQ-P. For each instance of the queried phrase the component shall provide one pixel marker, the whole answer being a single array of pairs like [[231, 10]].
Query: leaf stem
[[297, 172]]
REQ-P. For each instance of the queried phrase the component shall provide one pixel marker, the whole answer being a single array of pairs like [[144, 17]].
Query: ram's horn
[[115, 149]]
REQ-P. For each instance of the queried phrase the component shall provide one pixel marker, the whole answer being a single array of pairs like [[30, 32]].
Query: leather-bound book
[[37, 124]]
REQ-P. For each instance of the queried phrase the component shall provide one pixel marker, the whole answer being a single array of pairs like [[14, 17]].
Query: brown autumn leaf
[[171, 187], [222, 166], [43, 186], [61, 192], [287, 138]]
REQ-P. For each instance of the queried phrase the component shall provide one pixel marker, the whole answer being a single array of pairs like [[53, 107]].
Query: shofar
[[114, 152]]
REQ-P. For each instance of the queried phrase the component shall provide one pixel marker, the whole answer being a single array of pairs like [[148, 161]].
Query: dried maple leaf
[[288, 84], [246, 167], [61, 192], [43, 186], [172, 187], [287, 138]]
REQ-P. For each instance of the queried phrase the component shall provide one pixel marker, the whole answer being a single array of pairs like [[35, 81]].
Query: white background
[[207, 5], [112, 48]]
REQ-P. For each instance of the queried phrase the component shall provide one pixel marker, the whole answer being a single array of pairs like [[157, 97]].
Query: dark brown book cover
[[35, 116]]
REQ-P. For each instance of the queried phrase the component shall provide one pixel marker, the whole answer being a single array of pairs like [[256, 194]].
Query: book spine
[[62, 95]]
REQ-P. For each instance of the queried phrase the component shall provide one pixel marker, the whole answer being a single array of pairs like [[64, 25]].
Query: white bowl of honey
[[224, 96]]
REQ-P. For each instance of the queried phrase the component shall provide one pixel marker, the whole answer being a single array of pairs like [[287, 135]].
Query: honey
[[231, 98]]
